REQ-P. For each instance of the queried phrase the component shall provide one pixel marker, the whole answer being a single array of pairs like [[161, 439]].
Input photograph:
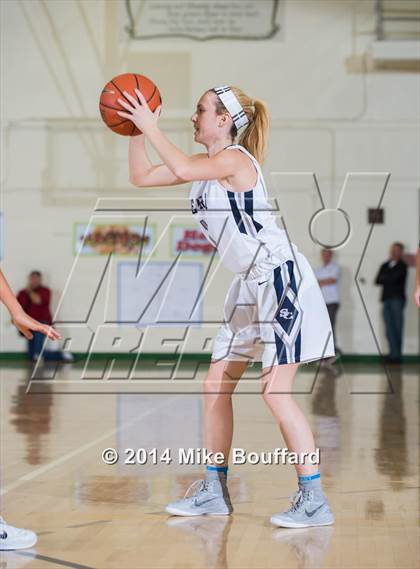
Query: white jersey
[[240, 225], [274, 309]]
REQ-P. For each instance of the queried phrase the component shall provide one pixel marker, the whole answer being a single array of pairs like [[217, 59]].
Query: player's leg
[[309, 505], [233, 346], [295, 327], [211, 496], [297, 433], [219, 385]]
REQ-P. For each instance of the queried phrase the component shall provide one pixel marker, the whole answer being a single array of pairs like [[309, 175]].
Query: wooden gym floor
[[91, 515]]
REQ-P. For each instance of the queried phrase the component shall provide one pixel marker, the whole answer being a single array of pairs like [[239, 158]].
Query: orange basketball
[[109, 105]]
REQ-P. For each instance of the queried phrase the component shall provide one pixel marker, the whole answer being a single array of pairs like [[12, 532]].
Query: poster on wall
[[189, 241], [201, 20], [150, 295], [120, 239]]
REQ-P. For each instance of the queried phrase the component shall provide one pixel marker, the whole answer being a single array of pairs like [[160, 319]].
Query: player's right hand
[[26, 325]]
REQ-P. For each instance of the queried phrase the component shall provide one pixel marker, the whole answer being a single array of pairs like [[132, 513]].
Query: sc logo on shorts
[[285, 314]]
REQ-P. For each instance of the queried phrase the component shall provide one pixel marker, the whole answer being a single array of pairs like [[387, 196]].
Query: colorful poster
[[120, 239], [190, 241]]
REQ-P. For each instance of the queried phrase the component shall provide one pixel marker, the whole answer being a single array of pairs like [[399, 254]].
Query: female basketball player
[[274, 310], [12, 537]]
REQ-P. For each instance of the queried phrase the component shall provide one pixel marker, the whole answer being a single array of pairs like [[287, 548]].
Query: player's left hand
[[139, 111]]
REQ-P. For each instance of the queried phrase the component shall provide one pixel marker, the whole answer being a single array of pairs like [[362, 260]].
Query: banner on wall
[[201, 20], [189, 241], [120, 239]]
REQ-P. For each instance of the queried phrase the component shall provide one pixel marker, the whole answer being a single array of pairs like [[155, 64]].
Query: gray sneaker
[[308, 508], [211, 498]]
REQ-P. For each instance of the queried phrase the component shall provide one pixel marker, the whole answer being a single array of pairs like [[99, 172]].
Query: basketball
[[113, 90]]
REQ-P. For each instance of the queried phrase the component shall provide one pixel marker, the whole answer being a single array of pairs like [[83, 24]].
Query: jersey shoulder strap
[[245, 151], [255, 162]]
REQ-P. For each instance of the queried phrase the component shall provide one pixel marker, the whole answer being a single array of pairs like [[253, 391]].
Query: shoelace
[[202, 485], [298, 499]]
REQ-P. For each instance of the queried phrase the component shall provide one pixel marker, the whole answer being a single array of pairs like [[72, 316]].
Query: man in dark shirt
[[392, 277]]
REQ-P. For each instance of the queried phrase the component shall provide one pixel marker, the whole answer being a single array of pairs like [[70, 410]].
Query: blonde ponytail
[[254, 137]]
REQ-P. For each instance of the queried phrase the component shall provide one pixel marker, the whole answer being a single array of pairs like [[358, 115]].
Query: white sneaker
[[15, 538]]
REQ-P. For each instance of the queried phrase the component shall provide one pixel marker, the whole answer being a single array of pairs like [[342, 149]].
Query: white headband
[[233, 106]]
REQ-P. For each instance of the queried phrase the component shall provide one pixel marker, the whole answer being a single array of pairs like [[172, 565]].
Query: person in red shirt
[[35, 301], [35, 298]]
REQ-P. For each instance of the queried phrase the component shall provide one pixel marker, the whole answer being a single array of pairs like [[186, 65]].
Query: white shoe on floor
[[15, 538]]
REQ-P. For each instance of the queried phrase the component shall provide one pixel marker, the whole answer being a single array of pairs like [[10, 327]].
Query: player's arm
[[182, 166], [7, 297], [143, 173], [200, 167]]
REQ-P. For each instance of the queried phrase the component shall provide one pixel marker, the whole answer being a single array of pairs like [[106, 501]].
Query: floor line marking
[[55, 560]]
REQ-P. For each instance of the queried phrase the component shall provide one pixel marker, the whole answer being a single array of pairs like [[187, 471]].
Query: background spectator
[[328, 276], [35, 301], [392, 276]]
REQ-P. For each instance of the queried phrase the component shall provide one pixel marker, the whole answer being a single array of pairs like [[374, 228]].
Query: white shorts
[[275, 314]]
